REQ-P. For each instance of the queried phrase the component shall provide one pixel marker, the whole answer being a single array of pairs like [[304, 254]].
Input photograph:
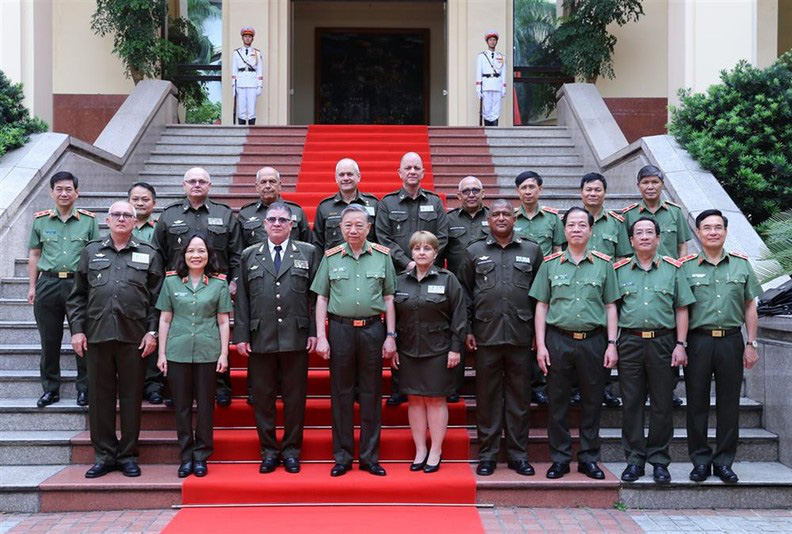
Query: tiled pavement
[[495, 521]]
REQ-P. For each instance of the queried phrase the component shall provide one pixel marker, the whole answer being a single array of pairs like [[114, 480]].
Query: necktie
[[246, 51], [277, 259]]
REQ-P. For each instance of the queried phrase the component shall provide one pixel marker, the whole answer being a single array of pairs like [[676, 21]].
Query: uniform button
[[277, 283], [193, 313], [718, 296], [577, 283], [280, 320], [357, 289], [357, 276], [277, 296], [646, 304], [278, 308], [577, 299]]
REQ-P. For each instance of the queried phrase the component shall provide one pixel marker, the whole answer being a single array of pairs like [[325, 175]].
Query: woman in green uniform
[[431, 322], [194, 332]]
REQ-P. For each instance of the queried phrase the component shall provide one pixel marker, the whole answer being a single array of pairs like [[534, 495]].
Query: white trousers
[[246, 103], [490, 105]]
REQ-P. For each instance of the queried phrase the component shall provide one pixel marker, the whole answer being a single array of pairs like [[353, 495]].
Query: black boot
[[241, 122], [251, 122]]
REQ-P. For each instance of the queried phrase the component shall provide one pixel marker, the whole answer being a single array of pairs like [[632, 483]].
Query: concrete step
[[181, 168], [21, 357], [21, 414], [26, 383], [15, 309], [513, 159], [36, 447], [19, 486], [14, 288], [527, 131], [533, 150], [169, 149], [213, 141], [530, 142], [25, 332], [188, 160]]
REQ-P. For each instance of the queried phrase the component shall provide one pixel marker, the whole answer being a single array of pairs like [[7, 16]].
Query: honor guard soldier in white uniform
[[490, 79], [247, 77]]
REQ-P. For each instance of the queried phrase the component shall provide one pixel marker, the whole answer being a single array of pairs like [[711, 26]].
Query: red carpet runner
[[377, 149]]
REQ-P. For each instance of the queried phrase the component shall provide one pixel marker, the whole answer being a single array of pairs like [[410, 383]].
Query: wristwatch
[[392, 334], [612, 341], [683, 343], [153, 334], [753, 343]]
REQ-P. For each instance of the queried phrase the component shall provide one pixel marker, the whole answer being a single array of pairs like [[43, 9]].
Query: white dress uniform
[[248, 79], [490, 84]]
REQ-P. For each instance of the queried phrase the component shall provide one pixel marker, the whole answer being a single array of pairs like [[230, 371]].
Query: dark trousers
[[582, 361], [503, 384], [356, 352], [223, 383], [50, 311], [114, 367], [459, 373], [722, 357], [394, 381], [190, 381], [646, 363], [154, 380], [266, 371]]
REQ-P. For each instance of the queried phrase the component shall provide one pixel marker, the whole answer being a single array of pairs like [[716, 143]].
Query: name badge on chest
[[301, 264], [436, 290], [522, 259], [427, 208], [370, 210], [140, 257], [215, 221]]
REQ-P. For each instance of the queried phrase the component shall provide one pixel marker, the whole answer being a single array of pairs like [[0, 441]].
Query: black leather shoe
[[340, 469], [185, 469], [661, 475], [610, 400], [433, 468], [557, 470], [486, 467], [154, 397], [169, 402], [632, 473], [130, 469], [223, 399], [395, 399], [575, 398], [676, 400], [268, 465], [539, 397], [522, 467], [591, 470], [419, 466], [47, 398], [250, 399], [200, 469], [725, 473], [99, 470], [292, 465], [453, 398], [374, 469], [700, 473], [82, 398]]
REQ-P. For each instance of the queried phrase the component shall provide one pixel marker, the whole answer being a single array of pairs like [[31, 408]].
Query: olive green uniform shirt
[[721, 290], [576, 294], [673, 228], [115, 292], [62, 242], [145, 232], [251, 219], [650, 298], [327, 222], [463, 229], [609, 235], [355, 287], [545, 228], [194, 336], [431, 316]]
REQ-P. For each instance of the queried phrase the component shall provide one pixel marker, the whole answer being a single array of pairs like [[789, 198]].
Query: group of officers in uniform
[[573, 296]]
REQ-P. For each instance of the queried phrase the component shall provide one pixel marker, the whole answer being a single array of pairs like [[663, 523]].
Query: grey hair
[[354, 208], [134, 211], [280, 206], [354, 164], [650, 170], [277, 172]]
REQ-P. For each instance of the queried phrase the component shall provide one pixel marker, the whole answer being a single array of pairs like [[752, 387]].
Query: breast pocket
[[523, 275], [699, 286], [485, 276], [561, 288], [299, 280], [255, 279], [332, 230], [98, 273], [427, 220], [176, 237], [253, 230], [591, 289], [338, 276], [398, 223], [137, 273], [735, 285], [219, 236], [664, 294], [376, 280]]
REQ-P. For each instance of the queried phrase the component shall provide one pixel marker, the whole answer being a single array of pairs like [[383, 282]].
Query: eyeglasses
[[470, 191], [193, 181], [716, 228], [120, 215], [279, 220]]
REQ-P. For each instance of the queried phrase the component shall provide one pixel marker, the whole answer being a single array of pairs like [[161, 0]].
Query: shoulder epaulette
[[86, 212], [742, 255], [621, 262], [218, 204], [616, 216], [601, 255], [672, 261], [673, 203], [628, 208], [395, 193], [370, 195], [171, 273], [175, 203], [334, 250], [689, 257], [551, 210], [292, 203], [248, 204], [380, 248], [41, 213], [553, 256], [219, 276]]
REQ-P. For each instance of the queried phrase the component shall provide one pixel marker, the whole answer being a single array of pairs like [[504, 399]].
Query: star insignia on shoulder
[[601, 255], [742, 255], [622, 262], [553, 256], [380, 248], [334, 250], [672, 261], [688, 258]]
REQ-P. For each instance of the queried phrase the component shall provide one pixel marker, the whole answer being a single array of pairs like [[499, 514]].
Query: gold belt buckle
[[718, 333], [578, 335], [647, 334], [358, 322], [62, 274]]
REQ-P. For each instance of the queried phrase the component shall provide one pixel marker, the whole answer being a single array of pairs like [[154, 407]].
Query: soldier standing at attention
[[143, 197], [247, 77], [538, 223], [57, 238], [400, 215], [726, 288], [490, 79], [114, 322], [327, 222]]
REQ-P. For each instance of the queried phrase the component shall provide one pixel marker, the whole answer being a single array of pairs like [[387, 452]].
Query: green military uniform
[[674, 229], [274, 313], [327, 221], [154, 379], [61, 243], [145, 232], [113, 304], [576, 295], [716, 347], [355, 289], [648, 326], [192, 350], [251, 219], [545, 227], [609, 235], [501, 314]]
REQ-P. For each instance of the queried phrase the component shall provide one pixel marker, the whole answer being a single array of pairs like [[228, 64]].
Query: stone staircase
[[36, 444]]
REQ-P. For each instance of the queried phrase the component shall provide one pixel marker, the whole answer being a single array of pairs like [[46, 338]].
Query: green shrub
[[15, 122], [741, 131], [205, 113], [777, 234]]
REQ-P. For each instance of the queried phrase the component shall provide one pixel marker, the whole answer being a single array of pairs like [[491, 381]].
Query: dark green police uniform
[[154, 380], [501, 314], [545, 227], [431, 320], [609, 235], [647, 318], [576, 339], [61, 243], [113, 304], [274, 313], [715, 346], [355, 289], [192, 350], [145, 232], [674, 229], [251, 220], [327, 221]]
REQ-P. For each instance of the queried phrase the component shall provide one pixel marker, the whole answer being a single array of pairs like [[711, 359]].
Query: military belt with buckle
[[490, 75], [648, 334], [717, 332], [351, 321], [578, 335], [63, 275]]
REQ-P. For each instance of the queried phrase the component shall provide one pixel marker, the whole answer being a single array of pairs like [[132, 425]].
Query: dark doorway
[[372, 76]]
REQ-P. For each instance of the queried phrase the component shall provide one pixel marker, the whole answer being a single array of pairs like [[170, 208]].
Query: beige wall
[[784, 28]]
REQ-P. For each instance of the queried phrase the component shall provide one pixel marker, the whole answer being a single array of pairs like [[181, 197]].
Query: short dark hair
[[527, 175], [279, 206], [650, 170], [573, 209], [144, 185], [593, 177], [709, 213], [212, 264], [644, 218], [63, 176]]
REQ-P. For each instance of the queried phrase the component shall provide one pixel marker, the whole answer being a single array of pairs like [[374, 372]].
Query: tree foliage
[[16, 125], [777, 234]]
